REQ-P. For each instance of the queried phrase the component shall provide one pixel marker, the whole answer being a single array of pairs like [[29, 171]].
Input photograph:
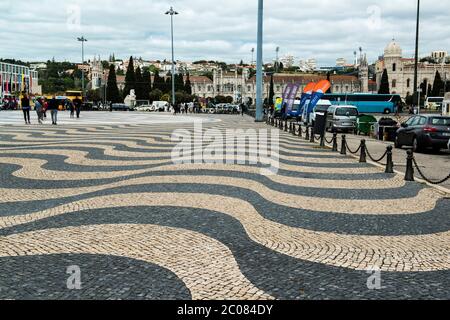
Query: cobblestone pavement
[[107, 199]]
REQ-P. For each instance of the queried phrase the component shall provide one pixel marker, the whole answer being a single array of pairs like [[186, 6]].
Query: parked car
[[424, 132], [145, 108], [121, 107], [342, 118]]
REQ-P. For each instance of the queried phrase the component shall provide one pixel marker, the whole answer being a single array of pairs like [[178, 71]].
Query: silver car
[[342, 118]]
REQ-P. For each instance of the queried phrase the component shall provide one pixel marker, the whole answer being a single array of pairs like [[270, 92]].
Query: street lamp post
[[259, 65], [172, 12], [416, 82], [82, 40]]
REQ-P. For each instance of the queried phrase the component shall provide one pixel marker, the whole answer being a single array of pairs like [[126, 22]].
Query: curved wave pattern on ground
[[108, 198]]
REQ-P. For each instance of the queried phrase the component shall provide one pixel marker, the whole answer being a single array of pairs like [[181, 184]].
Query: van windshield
[[349, 112]]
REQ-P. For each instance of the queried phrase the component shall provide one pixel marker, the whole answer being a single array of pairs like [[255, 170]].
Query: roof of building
[[393, 49], [306, 78]]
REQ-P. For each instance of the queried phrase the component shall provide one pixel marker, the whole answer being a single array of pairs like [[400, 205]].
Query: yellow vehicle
[[72, 94]]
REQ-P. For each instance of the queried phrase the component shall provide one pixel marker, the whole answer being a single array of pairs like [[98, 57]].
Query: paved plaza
[[102, 195]]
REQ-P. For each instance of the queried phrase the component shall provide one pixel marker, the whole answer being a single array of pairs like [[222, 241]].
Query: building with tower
[[401, 71]]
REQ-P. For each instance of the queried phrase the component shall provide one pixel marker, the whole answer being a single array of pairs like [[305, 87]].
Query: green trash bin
[[365, 124]]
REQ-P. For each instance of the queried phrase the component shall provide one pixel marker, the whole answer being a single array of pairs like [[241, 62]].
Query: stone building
[[401, 70]]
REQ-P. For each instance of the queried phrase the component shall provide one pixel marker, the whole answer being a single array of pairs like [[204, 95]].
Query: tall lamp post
[[82, 40], [172, 12], [416, 66], [259, 65]]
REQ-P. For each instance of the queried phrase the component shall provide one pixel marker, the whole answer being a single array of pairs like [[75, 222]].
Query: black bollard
[[300, 133], [344, 146], [335, 142], [390, 162], [409, 176], [322, 141], [311, 136], [363, 156], [307, 134], [286, 125]]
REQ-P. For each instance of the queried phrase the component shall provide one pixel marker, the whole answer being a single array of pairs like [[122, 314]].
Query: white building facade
[[15, 79], [401, 71]]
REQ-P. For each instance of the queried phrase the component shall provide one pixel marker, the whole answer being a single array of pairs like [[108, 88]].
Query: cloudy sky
[[34, 30]]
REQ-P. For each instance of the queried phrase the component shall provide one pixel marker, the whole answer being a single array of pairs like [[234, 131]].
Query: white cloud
[[221, 29]]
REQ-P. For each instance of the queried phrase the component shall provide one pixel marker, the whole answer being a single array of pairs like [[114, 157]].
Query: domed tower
[[393, 63]]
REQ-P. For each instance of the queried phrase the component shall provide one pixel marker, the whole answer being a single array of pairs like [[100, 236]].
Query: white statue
[[130, 100]]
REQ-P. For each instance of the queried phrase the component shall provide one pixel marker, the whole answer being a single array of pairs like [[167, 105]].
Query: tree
[[438, 86], [271, 92], [187, 85], [168, 85], [94, 95], [112, 91], [140, 85], [179, 82], [158, 82], [241, 63], [329, 80], [384, 85], [155, 95], [147, 79], [130, 78]]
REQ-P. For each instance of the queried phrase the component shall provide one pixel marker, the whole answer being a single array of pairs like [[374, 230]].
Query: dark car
[[424, 132]]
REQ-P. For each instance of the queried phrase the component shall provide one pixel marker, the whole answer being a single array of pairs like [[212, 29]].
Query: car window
[[410, 121], [415, 121], [422, 121], [445, 122], [343, 112]]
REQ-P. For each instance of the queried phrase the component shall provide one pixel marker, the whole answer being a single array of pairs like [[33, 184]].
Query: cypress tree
[[158, 82], [271, 92], [384, 86], [130, 78], [438, 85], [188, 85], [139, 85], [179, 82], [147, 79], [112, 91]]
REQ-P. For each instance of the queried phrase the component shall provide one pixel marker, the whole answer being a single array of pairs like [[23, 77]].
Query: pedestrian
[[78, 103], [39, 110], [25, 102], [71, 108], [53, 107], [242, 109]]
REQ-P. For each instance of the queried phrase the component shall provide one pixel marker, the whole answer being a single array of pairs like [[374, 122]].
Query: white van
[[321, 107], [160, 106]]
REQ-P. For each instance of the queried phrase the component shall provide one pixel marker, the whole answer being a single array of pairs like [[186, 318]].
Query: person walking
[[77, 103], [71, 108], [242, 109], [39, 110], [53, 107], [25, 102]]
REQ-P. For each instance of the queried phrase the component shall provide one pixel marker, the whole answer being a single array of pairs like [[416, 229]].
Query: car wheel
[[416, 146]]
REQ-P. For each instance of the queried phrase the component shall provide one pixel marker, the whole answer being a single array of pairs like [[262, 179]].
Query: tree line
[[146, 89]]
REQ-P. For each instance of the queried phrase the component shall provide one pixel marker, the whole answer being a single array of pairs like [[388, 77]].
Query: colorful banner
[[318, 92], [291, 98], [278, 104], [306, 95]]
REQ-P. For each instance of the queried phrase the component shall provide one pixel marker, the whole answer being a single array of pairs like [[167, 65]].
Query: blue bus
[[367, 103]]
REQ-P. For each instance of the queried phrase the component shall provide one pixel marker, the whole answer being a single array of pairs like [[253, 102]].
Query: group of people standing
[[42, 105]]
